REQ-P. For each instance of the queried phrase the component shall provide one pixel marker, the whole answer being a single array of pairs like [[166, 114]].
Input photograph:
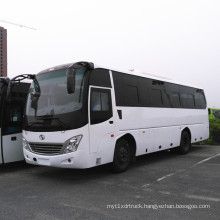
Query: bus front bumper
[[77, 159]]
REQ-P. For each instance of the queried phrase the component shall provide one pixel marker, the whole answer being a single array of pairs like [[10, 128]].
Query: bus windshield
[[53, 108]]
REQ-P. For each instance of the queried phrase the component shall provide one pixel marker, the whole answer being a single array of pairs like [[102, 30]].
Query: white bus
[[13, 94], [81, 115]]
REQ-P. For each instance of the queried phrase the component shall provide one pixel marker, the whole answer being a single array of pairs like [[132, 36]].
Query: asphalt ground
[[161, 185]]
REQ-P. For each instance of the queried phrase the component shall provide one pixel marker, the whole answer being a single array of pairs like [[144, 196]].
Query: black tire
[[185, 143], [122, 156]]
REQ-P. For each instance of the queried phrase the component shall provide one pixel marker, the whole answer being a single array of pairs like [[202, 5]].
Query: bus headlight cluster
[[72, 144], [26, 145]]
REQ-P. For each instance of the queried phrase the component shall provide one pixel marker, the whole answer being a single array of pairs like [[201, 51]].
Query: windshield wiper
[[34, 123], [50, 117]]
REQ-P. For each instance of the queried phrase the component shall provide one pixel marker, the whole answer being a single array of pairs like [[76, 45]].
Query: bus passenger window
[[175, 99]]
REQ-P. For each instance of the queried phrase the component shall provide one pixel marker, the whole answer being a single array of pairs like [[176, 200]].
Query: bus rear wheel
[[185, 143], [122, 156]]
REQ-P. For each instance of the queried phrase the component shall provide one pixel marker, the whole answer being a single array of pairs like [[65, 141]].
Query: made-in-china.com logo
[[42, 137]]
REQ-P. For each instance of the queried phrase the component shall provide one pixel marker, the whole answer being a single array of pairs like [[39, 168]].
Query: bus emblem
[[42, 137]]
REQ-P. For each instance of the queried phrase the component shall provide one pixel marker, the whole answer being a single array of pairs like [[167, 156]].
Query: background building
[[3, 52]]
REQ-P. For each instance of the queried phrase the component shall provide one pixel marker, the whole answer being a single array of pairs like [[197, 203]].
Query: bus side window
[[13, 119], [200, 102], [175, 99], [187, 100], [100, 105]]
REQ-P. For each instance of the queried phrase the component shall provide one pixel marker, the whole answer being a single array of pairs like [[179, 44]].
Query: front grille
[[46, 149]]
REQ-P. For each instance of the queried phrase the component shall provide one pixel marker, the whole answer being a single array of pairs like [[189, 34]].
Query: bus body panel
[[58, 137], [12, 147], [157, 129], [82, 158], [147, 141], [136, 118], [79, 159]]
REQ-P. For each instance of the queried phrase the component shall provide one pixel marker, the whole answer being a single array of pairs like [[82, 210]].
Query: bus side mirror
[[34, 102], [71, 80]]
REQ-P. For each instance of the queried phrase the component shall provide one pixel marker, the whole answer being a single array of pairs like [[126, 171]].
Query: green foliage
[[214, 132]]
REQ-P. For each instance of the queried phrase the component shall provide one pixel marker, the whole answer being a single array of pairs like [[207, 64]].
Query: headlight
[[72, 144], [26, 145]]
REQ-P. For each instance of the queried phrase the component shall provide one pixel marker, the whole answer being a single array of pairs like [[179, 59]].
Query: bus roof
[[131, 72]]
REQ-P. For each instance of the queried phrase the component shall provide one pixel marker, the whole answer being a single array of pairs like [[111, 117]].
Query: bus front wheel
[[122, 156]]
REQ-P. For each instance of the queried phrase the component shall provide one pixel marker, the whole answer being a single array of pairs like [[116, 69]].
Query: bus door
[[13, 95], [3, 89], [12, 132], [102, 125], [12, 109]]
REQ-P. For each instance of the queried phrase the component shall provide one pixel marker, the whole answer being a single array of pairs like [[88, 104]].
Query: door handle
[[110, 122], [14, 138], [119, 114]]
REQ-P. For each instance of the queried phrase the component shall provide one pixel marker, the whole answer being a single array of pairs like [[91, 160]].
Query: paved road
[[162, 185]]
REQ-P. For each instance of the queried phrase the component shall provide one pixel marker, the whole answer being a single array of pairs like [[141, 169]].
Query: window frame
[[97, 117]]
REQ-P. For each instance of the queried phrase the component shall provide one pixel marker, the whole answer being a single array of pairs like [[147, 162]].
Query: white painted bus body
[[11, 148], [150, 137], [153, 129]]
